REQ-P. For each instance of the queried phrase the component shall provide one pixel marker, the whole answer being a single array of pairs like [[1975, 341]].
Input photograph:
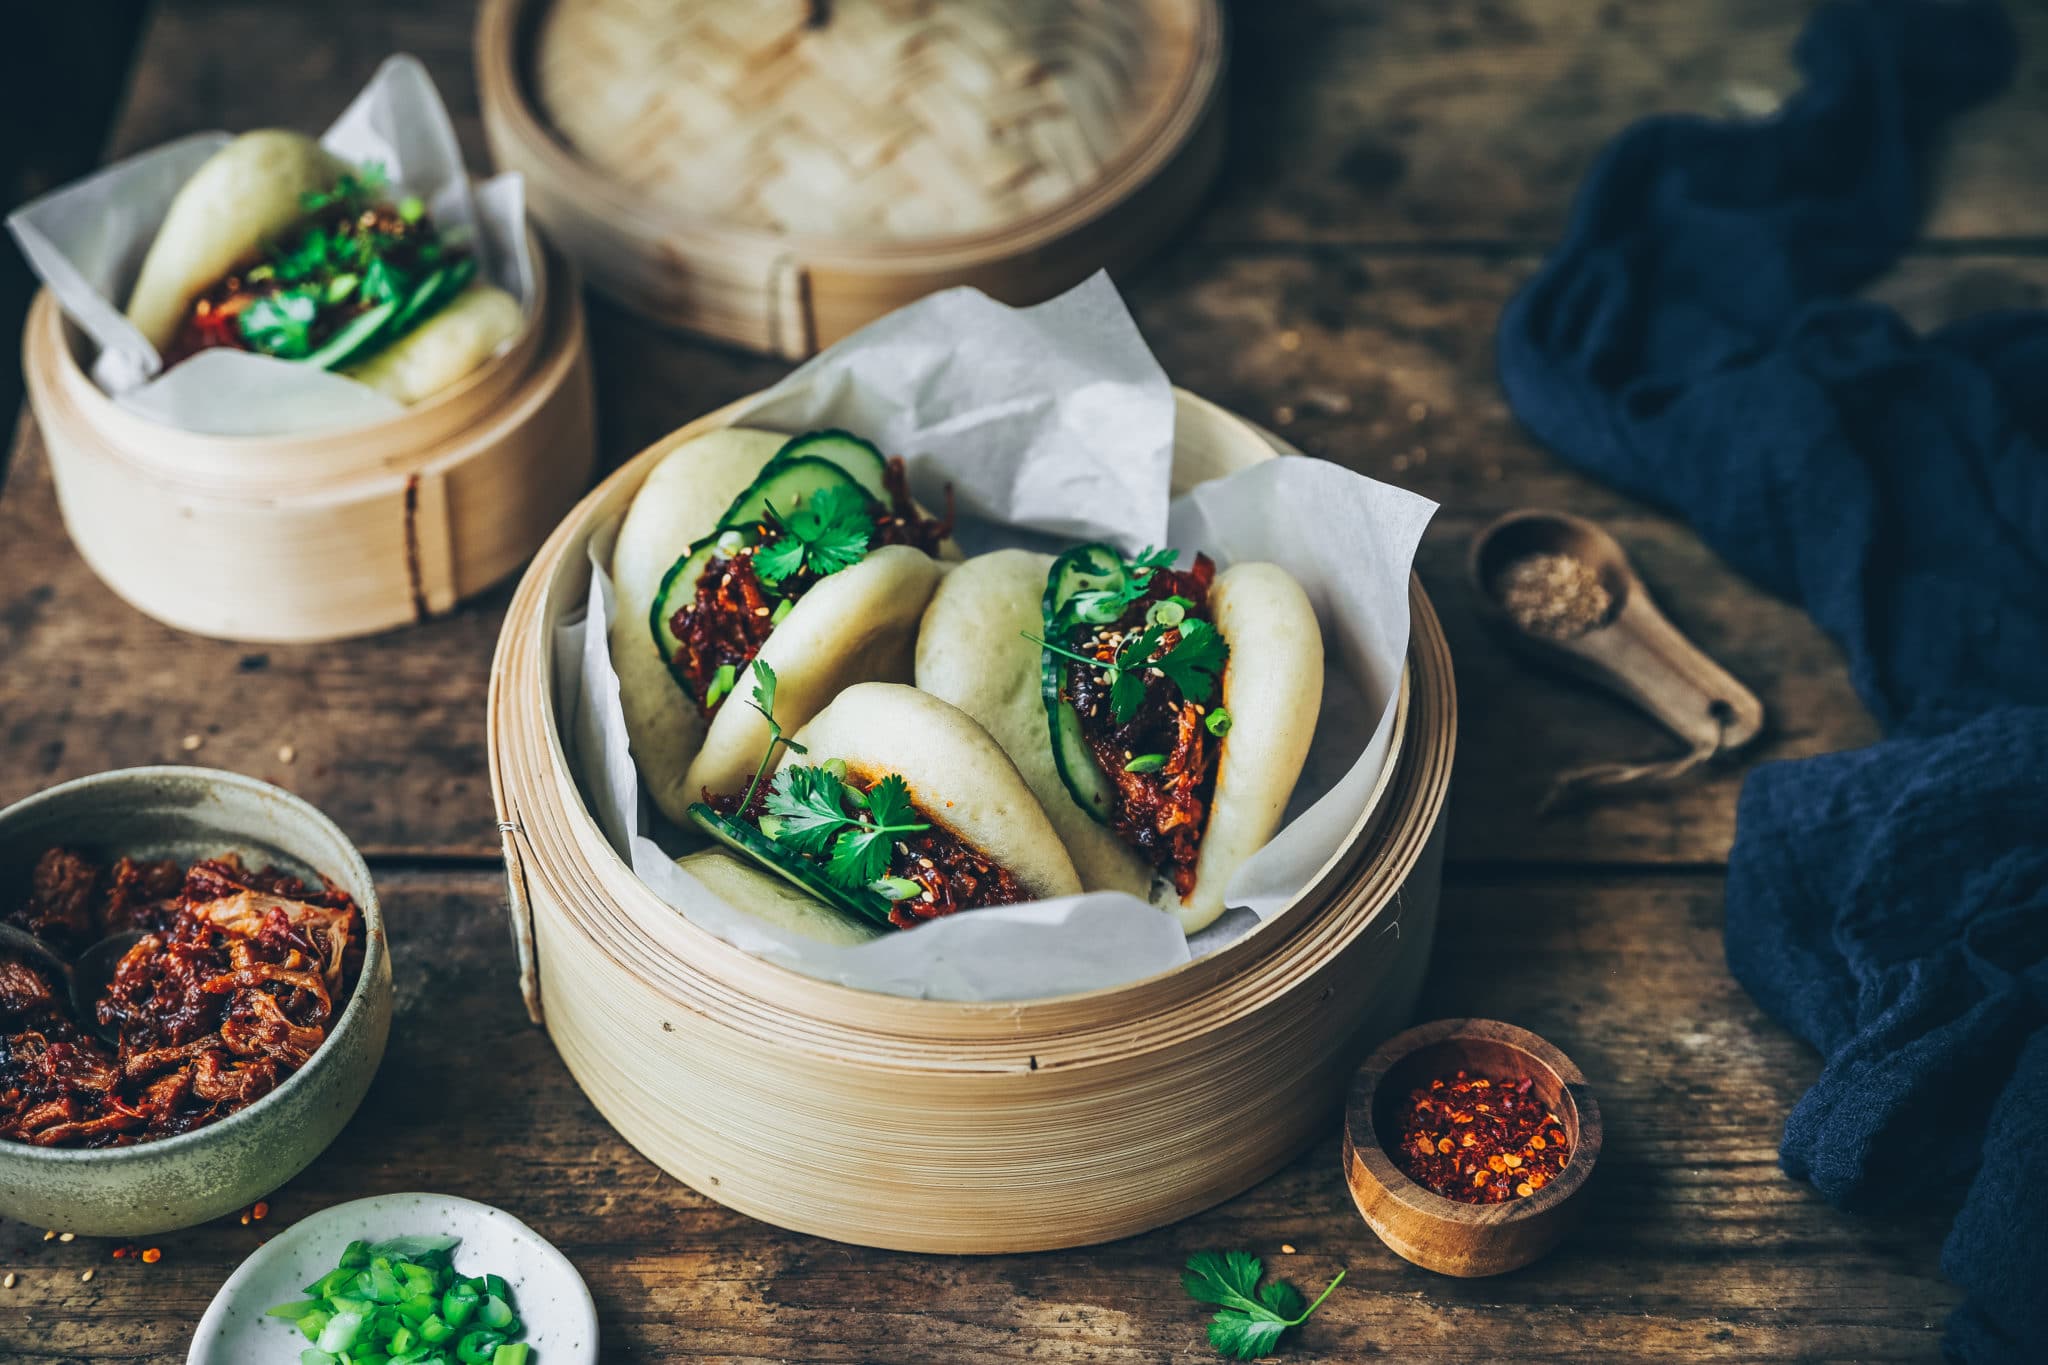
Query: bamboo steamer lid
[[936, 1126], [777, 172]]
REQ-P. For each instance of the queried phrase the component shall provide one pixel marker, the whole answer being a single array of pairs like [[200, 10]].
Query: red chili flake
[[1506, 1148], [261, 1211], [153, 1255]]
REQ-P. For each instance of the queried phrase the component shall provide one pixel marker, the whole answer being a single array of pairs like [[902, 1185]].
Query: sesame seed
[[50, 1236], [67, 1236], [85, 1276], [8, 1283], [286, 753], [1290, 340], [190, 742], [1287, 1248]]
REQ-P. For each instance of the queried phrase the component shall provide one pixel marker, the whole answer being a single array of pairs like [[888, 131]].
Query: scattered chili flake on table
[[152, 1256], [1479, 1140]]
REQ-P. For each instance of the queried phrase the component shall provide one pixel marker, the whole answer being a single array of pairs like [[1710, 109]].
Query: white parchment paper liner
[[87, 241], [1052, 422]]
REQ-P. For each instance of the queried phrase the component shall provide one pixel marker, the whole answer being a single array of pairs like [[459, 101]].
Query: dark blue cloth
[[1695, 341]]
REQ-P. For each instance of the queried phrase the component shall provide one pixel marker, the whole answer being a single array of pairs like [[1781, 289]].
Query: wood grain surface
[[1397, 168]]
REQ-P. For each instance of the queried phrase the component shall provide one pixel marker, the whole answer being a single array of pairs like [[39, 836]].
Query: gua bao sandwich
[[1160, 715], [277, 246], [891, 807], [807, 555]]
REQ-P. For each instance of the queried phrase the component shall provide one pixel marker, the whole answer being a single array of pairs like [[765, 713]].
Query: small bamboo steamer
[[330, 534], [934, 1126], [792, 293]]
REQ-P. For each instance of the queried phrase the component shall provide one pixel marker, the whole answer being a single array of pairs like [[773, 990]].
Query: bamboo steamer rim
[[503, 42], [550, 835], [290, 463]]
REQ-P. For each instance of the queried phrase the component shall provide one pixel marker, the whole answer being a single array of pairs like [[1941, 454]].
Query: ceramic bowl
[[175, 1182], [550, 1297]]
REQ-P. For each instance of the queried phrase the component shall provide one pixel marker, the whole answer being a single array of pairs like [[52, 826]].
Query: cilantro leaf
[[1101, 606], [860, 856], [1126, 695], [764, 702], [807, 800], [889, 802], [824, 534], [1193, 663], [809, 805], [1251, 1319], [281, 324]]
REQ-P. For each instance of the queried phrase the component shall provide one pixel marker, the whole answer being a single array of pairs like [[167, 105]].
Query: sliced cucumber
[[782, 485], [1084, 568], [678, 589], [742, 838], [858, 458], [355, 340]]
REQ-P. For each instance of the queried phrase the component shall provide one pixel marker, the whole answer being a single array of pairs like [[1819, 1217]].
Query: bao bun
[[970, 652], [246, 196], [853, 626], [959, 778]]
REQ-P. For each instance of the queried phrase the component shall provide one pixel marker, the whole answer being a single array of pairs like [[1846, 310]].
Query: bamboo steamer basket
[[933, 1126], [329, 534], [1130, 93]]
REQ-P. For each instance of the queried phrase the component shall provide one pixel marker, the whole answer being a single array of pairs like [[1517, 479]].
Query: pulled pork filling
[[1161, 813], [230, 990], [732, 612]]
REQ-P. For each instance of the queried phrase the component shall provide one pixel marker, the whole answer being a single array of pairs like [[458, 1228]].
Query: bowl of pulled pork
[[195, 992]]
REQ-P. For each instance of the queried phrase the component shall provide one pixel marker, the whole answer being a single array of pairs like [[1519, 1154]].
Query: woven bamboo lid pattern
[[778, 173], [862, 119]]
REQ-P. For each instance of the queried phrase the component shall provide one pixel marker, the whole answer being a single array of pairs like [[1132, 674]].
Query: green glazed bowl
[[175, 1182]]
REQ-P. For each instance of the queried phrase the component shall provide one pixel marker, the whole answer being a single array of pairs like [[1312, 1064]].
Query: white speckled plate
[[561, 1321]]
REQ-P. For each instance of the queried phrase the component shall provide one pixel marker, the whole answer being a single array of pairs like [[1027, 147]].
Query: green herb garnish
[[811, 803], [1217, 723], [1251, 1319], [402, 1300], [1146, 763], [352, 190], [764, 702], [281, 324], [1195, 659], [1191, 665], [824, 534], [1100, 606]]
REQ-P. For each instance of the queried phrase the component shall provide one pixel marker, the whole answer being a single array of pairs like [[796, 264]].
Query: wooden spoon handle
[[1643, 656]]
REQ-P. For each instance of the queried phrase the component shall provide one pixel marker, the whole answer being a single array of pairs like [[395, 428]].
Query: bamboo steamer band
[[325, 535], [947, 1127], [792, 293]]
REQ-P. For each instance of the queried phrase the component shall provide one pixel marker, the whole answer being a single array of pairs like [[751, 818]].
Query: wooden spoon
[[1634, 651]]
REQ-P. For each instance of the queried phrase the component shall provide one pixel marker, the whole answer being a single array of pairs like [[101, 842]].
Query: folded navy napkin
[[1695, 341]]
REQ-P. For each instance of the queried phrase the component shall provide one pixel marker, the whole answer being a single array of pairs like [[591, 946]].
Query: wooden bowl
[[643, 239], [1446, 1235], [327, 534], [938, 1126]]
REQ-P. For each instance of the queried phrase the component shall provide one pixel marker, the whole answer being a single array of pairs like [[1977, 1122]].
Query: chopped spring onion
[[895, 888], [1168, 611], [721, 683], [781, 610], [1146, 763], [1218, 722], [402, 1301]]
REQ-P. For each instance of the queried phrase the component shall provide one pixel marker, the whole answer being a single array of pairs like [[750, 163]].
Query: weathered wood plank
[[1353, 121], [1696, 1248]]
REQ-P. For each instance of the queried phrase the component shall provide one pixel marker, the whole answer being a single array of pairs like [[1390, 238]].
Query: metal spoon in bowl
[[85, 979]]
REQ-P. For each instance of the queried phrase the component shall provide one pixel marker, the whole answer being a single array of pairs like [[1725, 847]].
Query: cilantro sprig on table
[[824, 534], [1251, 1318]]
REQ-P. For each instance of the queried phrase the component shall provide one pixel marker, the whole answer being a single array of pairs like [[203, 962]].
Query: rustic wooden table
[[1396, 170]]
